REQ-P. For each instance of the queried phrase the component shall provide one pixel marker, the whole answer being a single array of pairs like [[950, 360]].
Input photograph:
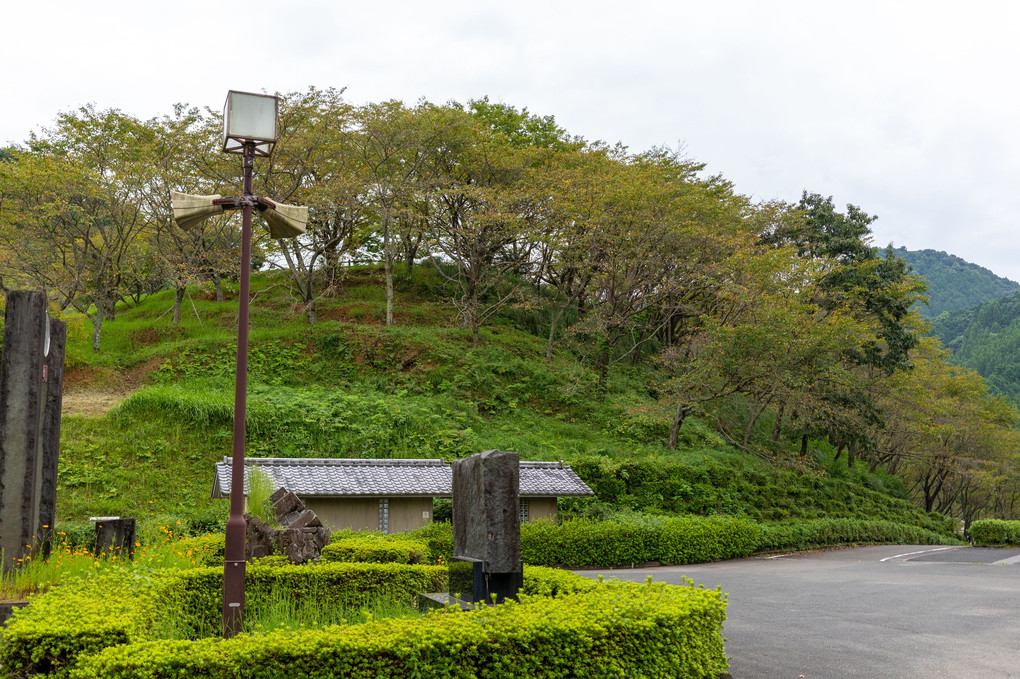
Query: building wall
[[363, 513], [339, 513], [541, 508], [409, 513]]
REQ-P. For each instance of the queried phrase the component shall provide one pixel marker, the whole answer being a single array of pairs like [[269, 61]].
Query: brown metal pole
[[234, 562]]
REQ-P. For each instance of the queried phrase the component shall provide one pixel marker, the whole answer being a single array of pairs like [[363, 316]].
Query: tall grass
[[260, 488]]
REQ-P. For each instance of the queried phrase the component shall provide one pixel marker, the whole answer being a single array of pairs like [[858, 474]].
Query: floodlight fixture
[[249, 117]]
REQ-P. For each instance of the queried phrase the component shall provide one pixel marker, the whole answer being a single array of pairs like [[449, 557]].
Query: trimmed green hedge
[[198, 592], [995, 532], [829, 532], [614, 630], [75, 619], [375, 549], [83, 617], [581, 543]]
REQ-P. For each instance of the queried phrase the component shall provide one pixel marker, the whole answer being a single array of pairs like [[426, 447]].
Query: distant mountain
[[986, 338], [954, 283]]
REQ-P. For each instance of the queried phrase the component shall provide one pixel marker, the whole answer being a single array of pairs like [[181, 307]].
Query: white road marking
[[1007, 562], [923, 551]]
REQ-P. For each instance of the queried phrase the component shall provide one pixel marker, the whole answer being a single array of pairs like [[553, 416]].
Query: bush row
[[614, 630], [82, 617], [827, 532], [995, 532], [583, 543], [372, 548]]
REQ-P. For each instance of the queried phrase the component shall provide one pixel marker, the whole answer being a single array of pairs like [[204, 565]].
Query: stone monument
[[300, 538], [486, 564], [31, 388]]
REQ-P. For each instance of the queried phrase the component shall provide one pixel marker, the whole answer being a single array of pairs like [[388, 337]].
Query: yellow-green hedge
[[995, 532], [374, 548], [614, 630]]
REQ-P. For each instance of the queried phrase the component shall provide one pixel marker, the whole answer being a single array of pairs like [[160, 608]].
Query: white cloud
[[905, 108]]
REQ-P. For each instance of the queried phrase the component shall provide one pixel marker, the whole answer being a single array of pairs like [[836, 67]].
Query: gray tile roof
[[390, 478]]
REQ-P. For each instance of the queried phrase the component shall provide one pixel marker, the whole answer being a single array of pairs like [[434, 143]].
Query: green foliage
[[207, 549], [375, 549], [688, 485], [615, 629], [995, 532], [583, 543], [315, 422], [271, 363], [833, 532], [986, 339]]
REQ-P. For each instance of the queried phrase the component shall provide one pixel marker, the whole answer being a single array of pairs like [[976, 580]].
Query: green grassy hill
[[350, 387]]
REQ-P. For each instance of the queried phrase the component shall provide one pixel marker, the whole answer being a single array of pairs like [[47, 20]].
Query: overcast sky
[[910, 110]]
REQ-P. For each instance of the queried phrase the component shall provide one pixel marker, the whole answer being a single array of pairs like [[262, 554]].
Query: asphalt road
[[891, 611]]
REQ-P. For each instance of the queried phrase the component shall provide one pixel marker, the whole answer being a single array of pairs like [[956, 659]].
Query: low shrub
[[831, 532], [582, 543], [995, 532], [198, 593], [78, 618], [613, 630], [375, 549], [438, 537]]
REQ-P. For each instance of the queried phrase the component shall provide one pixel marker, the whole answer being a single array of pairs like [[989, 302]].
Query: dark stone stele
[[115, 536], [300, 539], [486, 527], [30, 398]]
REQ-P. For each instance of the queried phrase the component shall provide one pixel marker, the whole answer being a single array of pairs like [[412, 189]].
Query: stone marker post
[[486, 527], [29, 423], [115, 536]]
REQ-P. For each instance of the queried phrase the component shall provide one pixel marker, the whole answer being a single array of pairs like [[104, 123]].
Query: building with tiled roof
[[393, 495]]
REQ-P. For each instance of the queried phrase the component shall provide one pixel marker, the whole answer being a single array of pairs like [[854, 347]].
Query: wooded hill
[[530, 290], [954, 283], [986, 338]]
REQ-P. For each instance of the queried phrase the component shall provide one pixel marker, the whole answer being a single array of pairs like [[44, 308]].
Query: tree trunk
[[678, 421], [388, 267], [777, 428], [313, 317], [552, 335], [803, 445], [219, 287], [97, 327], [178, 300], [605, 352]]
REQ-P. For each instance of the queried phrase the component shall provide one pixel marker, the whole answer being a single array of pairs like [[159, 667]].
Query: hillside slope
[[350, 387]]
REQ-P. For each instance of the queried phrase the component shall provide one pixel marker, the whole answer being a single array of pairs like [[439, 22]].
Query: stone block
[[306, 519], [285, 502]]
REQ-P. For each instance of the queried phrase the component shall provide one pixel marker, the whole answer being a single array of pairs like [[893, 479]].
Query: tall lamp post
[[249, 129]]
